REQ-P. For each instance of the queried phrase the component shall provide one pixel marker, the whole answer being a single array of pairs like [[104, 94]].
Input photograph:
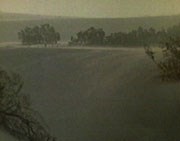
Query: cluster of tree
[[16, 115], [44, 34], [91, 36], [169, 64], [139, 37], [174, 31]]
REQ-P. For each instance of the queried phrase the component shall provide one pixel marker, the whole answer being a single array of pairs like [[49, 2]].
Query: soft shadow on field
[[98, 95], [4, 136]]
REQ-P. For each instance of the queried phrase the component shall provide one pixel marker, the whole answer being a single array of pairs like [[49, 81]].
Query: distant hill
[[21, 17], [11, 23]]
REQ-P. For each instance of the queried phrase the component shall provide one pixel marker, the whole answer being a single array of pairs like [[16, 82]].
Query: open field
[[98, 94]]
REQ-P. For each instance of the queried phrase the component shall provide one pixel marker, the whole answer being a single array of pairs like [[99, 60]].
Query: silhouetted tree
[[45, 34], [138, 37], [169, 64], [91, 36], [16, 115]]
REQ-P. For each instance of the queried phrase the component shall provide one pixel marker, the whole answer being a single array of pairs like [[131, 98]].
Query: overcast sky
[[93, 8]]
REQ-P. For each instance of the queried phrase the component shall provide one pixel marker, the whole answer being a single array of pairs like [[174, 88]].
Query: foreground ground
[[98, 94]]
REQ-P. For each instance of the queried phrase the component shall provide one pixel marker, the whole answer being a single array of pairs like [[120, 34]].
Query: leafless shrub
[[169, 65], [16, 115]]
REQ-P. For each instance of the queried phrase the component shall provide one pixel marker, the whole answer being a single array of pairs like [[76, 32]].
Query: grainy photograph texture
[[89, 70]]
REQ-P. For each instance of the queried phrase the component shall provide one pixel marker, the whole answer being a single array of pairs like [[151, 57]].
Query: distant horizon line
[[102, 17]]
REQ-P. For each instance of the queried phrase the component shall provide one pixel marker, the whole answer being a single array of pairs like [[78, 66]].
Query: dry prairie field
[[97, 94]]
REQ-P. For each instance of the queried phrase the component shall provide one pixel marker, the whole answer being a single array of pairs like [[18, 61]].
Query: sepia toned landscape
[[89, 78]]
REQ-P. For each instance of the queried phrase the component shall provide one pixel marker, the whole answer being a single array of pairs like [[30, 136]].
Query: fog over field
[[90, 70], [97, 94], [11, 24]]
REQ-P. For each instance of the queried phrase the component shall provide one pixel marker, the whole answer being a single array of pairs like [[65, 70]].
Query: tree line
[[44, 34], [138, 37]]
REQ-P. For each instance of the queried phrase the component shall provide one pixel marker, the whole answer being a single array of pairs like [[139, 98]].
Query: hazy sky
[[93, 8]]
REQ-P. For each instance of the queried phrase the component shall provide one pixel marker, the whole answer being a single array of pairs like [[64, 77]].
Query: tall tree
[[45, 34]]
